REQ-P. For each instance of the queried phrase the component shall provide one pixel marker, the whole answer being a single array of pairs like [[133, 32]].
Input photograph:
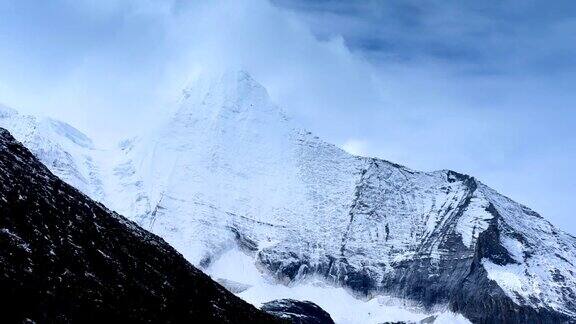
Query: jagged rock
[[67, 259], [298, 312]]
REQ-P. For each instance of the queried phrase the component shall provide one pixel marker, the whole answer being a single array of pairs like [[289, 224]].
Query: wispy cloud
[[481, 87]]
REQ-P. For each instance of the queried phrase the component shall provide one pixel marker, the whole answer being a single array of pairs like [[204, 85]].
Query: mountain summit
[[229, 170]]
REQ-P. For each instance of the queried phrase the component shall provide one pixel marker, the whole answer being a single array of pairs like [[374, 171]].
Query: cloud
[[127, 59], [483, 88], [356, 147], [471, 37]]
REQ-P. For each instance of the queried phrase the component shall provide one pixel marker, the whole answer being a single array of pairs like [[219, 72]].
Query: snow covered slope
[[228, 169], [66, 259], [62, 148]]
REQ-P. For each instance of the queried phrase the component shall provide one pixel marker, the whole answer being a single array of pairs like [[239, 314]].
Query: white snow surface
[[228, 165], [474, 221], [67, 152]]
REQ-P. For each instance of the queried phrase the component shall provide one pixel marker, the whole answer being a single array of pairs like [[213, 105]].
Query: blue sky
[[483, 87]]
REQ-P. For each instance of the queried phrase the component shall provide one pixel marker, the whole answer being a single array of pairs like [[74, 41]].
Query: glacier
[[226, 170]]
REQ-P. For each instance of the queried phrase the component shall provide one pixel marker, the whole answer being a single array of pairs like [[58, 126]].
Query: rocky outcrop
[[298, 312], [482, 300]]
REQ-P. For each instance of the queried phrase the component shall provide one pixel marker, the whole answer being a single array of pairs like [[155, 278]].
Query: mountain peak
[[226, 94]]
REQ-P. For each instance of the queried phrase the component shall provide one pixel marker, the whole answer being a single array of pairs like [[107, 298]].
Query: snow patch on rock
[[474, 220]]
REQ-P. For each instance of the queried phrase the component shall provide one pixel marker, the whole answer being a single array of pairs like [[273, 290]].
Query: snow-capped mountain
[[66, 259], [229, 170]]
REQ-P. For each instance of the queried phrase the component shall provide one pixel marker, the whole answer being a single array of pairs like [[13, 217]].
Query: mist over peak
[[392, 76]]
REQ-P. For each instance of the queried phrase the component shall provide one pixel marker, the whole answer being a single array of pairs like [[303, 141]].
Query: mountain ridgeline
[[229, 169]]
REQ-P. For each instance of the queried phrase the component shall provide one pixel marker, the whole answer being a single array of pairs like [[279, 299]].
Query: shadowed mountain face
[[65, 258]]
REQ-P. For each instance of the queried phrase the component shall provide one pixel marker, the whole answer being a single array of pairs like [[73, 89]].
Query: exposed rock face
[[228, 169], [298, 312], [67, 259]]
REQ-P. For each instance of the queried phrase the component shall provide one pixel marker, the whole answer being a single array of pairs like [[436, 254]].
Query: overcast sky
[[486, 88]]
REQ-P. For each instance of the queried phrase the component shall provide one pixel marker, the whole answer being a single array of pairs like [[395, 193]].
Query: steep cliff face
[[67, 259], [229, 169]]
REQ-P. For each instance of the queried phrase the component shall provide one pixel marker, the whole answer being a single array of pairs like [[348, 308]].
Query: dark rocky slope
[[65, 258], [298, 312]]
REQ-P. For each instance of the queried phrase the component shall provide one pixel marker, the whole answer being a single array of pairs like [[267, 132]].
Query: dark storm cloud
[[483, 36]]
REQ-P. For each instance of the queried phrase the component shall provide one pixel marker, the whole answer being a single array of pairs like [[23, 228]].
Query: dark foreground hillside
[[65, 258]]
